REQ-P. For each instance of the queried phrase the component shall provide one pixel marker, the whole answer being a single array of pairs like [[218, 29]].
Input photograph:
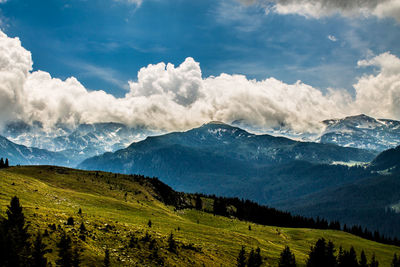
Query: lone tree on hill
[[171, 243]]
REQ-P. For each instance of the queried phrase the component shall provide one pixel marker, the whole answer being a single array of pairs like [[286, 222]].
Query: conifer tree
[[250, 260], [241, 260], [257, 258], [39, 251], [76, 257], [2, 165], [347, 258], [395, 261], [330, 255], [17, 237], [352, 258], [171, 243], [287, 258], [6, 164], [374, 262], [82, 228], [106, 258], [199, 203], [321, 254], [64, 251], [363, 260]]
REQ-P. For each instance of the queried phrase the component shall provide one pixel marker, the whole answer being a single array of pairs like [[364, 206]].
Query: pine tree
[[171, 243], [76, 257], [18, 245], [39, 251], [6, 164], [199, 203], [70, 221], [257, 258], [363, 260], [395, 261], [64, 251], [82, 228], [106, 258], [241, 260], [347, 258], [287, 258], [2, 165], [330, 255], [250, 260], [374, 262], [3, 243], [352, 258]]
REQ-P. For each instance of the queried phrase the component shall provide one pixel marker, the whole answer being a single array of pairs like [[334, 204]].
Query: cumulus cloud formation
[[166, 97], [322, 8], [380, 94]]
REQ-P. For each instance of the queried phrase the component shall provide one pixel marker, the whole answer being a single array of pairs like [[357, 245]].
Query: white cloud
[[166, 97], [322, 8], [379, 94], [332, 38]]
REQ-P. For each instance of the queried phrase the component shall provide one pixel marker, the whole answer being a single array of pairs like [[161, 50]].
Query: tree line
[[253, 212], [321, 254], [4, 163]]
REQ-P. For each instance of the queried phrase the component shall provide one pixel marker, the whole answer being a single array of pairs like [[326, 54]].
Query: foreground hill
[[116, 208]]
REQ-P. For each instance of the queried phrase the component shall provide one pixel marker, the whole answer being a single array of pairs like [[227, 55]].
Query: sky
[[174, 64]]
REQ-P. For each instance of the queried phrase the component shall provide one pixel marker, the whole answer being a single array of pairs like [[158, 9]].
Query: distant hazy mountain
[[362, 132], [373, 200], [221, 159], [19, 154], [85, 141]]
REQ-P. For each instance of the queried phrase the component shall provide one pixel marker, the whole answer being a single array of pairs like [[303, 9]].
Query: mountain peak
[[359, 117], [215, 123]]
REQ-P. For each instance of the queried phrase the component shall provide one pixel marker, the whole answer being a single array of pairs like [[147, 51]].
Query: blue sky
[[105, 43]]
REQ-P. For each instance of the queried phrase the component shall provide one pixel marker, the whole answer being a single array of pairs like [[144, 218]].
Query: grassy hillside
[[116, 208]]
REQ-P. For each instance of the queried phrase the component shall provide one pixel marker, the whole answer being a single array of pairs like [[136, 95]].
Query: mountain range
[[362, 132], [77, 144], [341, 176]]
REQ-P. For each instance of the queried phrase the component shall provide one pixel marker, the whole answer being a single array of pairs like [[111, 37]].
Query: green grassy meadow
[[115, 208]]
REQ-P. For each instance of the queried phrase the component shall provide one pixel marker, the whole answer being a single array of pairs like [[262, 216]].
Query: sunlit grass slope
[[115, 208]]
